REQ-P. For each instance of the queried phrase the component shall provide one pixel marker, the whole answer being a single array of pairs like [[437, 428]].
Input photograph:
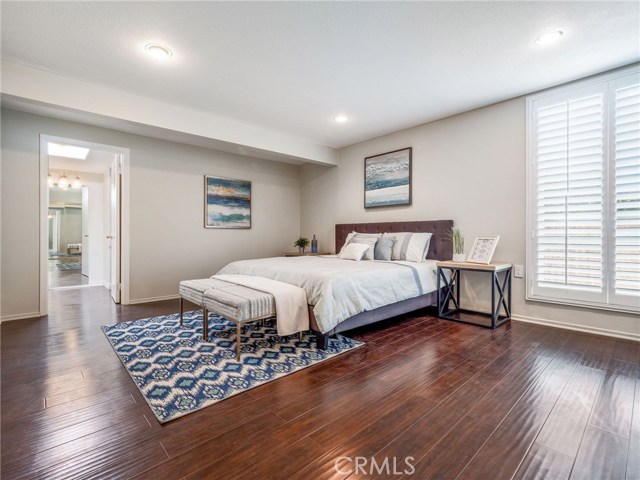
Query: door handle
[[110, 237]]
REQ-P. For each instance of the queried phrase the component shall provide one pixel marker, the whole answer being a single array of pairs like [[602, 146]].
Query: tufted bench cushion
[[240, 303], [193, 290], [237, 303]]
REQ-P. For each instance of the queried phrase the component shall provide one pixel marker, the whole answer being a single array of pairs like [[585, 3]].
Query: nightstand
[[305, 254], [500, 293]]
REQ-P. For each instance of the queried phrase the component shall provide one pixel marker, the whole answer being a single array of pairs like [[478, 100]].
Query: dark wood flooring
[[464, 402]]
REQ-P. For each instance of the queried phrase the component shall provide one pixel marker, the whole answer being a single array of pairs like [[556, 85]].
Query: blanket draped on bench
[[291, 301]]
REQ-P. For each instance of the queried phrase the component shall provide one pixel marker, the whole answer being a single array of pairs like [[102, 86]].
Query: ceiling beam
[[40, 91]]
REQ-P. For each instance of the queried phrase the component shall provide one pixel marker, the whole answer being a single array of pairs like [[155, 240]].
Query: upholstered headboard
[[440, 248]]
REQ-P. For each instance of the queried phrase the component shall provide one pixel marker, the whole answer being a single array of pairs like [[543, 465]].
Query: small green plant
[[458, 241], [301, 243]]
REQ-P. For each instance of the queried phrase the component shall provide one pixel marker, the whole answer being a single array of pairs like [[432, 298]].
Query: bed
[[343, 295]]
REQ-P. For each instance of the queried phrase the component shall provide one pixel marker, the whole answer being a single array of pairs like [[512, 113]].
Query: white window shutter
[[627, 191], [583, 204], [569, 160]]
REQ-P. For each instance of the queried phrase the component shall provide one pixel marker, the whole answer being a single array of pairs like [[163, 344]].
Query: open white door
[[114, 234], [85, 231]]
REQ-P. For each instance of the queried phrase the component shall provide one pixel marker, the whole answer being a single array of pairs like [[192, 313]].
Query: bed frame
[[440, 248]]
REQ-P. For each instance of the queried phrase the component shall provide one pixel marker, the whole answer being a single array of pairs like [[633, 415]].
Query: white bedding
[[339, 289]]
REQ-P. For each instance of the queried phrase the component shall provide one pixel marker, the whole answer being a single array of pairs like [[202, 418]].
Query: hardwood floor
[[65, 278], [464, 402]]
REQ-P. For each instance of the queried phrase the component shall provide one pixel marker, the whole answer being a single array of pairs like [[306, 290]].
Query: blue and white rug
[[69, 266], [178, 373]]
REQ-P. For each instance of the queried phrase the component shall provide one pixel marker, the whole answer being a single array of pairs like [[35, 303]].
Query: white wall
[[168, 240], [469, 168]]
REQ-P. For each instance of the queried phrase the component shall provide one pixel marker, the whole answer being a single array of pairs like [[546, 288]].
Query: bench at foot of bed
[[236, 303]]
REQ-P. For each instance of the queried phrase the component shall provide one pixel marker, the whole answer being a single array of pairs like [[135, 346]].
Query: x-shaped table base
[[449, 291]]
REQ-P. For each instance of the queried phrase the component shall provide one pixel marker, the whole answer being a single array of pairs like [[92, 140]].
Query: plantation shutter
[[584, 193], [627, 191], [569, 153]]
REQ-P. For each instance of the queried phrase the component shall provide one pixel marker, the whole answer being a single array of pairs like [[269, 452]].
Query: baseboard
[[577, 328], [153, 299], [19, 316]]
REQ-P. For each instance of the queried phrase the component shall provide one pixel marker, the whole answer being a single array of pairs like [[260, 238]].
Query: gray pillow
[[368, 240], [383, 248]]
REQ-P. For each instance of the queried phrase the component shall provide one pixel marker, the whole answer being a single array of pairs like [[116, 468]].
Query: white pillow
[[369, 239], [410, 246], [349, 237], [355, 237], [353, 251]]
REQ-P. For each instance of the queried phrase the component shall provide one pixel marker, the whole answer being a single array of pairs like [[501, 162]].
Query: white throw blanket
[[291, 301]]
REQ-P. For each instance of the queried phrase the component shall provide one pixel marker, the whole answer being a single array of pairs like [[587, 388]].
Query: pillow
[[384, 248], [410, 246], [369, 239], [348, 239], [353, 251]]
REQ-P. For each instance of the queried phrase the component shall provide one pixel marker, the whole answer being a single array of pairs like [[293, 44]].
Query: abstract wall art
[[227, 203], [387, 179]]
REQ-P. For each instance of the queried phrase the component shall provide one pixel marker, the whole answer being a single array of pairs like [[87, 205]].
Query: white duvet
[[339, 289]]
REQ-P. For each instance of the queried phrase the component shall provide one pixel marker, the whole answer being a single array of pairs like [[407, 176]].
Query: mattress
[[339, 289]]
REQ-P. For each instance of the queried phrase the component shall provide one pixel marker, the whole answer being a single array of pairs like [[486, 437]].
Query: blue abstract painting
[[387, 179], [227, 203]]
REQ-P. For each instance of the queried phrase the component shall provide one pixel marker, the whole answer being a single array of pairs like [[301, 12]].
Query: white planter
[[459, 257]]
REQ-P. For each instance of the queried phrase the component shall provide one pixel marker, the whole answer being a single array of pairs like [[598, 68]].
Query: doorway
[[68, 261], [84, 217]]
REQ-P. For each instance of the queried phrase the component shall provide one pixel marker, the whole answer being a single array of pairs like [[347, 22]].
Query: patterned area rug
[[69, 266], [178, 373]]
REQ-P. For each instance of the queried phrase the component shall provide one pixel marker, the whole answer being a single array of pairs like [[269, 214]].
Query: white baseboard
[[20, 316], [577, 328], [153, 299]]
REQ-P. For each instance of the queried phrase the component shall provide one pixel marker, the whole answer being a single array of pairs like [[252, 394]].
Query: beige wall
[[168, 242], [469, 168]]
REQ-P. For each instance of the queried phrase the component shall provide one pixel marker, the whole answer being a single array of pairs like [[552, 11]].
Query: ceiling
[[292, 66]]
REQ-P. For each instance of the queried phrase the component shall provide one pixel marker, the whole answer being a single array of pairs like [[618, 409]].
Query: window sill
[[583, 304]]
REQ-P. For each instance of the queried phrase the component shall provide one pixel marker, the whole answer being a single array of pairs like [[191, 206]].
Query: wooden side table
[[305, 254], [500, 292]]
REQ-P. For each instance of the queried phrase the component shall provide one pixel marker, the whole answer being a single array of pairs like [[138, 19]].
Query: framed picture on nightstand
[[483, 248]]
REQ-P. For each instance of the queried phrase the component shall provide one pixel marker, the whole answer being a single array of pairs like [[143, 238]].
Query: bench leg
[[181, 309], [238, 330], [205, 325]]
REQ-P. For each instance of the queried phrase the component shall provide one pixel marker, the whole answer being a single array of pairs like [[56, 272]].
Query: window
[[583, 200]]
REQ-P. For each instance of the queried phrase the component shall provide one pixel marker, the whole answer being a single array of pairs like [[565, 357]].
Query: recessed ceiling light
[[341, 118], [158, 51], [68, 151], [549, 37]]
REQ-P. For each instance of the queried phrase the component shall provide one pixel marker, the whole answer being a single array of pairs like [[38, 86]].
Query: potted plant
[[458, 245], [301, 243]]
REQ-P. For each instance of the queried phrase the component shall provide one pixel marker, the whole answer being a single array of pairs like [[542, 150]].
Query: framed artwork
[[227, 203], [483, 248], [387, 179]]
